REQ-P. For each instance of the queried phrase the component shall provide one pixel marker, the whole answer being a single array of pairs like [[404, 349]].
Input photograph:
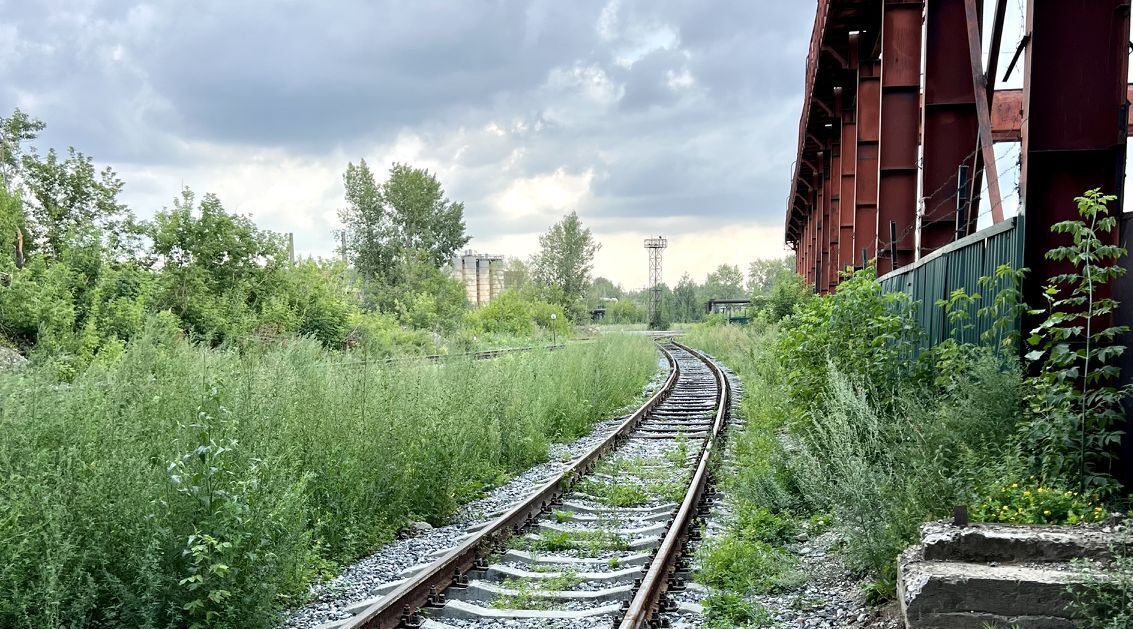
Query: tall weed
[[180, 485]]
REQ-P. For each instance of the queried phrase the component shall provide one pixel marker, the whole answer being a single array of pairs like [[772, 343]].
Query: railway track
[[599, 546]]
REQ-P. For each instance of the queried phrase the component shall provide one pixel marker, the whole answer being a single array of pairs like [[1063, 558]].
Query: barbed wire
[[985, 187]]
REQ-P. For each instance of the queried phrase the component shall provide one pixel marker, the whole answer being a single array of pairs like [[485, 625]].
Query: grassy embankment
[[847, 425], [181, 485]]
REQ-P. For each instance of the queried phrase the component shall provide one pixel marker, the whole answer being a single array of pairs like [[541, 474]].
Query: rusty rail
[[400, 607], [647, 601]]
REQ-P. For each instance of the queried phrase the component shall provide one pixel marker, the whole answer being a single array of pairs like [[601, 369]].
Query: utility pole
[[655, 246]]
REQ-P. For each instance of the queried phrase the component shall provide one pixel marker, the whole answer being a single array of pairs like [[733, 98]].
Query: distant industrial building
[[482, 275]]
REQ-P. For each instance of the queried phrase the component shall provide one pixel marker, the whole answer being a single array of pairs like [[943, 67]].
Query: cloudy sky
[[672, 117]]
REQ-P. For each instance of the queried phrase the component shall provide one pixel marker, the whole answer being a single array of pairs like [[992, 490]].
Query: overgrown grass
[[729, 610], [882, 462], [179, 485]]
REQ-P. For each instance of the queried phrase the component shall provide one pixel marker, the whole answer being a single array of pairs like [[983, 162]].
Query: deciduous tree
[[562, 266], [406, 217], [726, 282]]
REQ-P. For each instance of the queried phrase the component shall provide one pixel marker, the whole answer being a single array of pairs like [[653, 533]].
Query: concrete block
[[1004, 543]]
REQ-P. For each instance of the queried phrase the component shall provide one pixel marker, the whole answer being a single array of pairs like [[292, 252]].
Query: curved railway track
[[599, 546]]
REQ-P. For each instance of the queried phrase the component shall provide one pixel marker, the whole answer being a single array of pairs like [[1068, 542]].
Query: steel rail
[[646, 602], [400, 607]]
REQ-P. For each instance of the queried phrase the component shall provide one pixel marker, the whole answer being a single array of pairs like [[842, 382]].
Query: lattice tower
[[655, 246]]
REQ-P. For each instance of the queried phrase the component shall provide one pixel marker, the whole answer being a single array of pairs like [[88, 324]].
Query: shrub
[[733, 564], [864, 332], [883, 471], [1032, 503], [624, 311], [1074, 405]]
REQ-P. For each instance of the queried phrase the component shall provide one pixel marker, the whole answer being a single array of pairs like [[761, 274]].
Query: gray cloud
[[674, 107]]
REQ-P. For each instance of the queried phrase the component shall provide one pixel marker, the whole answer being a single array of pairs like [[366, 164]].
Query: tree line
[[81, 274], [771, 285]]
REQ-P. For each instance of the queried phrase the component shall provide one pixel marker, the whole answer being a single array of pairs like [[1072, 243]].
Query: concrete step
[[997, 574], [950, 595], [982, 543]]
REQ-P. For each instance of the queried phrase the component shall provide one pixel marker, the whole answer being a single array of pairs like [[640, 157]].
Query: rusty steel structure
[[900, 116]]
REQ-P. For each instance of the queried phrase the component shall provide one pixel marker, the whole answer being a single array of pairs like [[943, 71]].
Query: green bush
[[862, 331], [510, 313], [883, 471], [517, 314], [733, 564], [37, 307], [1032, 503], [624, 311]]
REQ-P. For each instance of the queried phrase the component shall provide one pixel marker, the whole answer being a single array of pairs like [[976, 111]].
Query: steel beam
[[867, 127], [821, 213], [1007, 115], [950, 121], [804, 246], [1074, 134], [900, 130], [846, 183], [985, 162], [833, 204], [835, 226], [996, 43]]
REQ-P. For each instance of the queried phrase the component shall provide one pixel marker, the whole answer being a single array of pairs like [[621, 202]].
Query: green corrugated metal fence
[[960, 265]]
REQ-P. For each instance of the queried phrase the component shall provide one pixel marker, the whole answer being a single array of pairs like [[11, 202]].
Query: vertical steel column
[[949, 118], [829, 214], [868, 121], [1074, 134], [804, 246], [900, 120], [834, 186], [821, 213], [1074, 129], [846, 183], [815, 220], [811, 228]]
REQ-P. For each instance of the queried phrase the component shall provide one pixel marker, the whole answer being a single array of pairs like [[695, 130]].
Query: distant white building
[[482, 275]]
